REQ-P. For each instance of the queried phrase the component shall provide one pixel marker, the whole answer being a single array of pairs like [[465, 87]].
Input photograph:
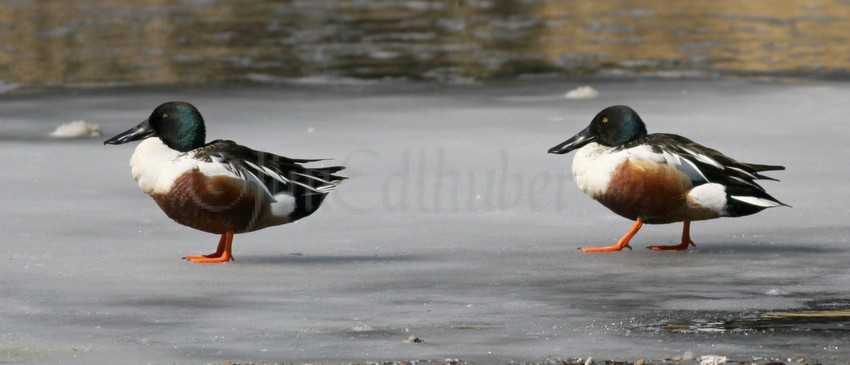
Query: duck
[[220, 187], [660, 178]]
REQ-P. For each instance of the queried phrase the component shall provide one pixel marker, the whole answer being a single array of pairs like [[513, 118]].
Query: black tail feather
[[758, 167]]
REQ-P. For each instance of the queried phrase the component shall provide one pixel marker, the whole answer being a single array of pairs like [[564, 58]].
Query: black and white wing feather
[[276, 174], [705, 165]]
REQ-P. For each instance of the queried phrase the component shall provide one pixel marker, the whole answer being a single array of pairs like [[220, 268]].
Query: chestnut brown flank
[[213, 204], [655, 192]]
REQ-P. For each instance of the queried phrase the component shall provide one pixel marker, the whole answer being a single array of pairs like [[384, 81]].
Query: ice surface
[[455, 227]]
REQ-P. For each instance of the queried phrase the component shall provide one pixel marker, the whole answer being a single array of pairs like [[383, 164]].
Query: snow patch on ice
[[775, 292], [77, 129], [582, 93], [310, 80], [712, 360], [363, 327], [5, 87]]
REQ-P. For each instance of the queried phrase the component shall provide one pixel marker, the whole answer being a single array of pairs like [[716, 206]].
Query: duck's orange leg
[[622, 243], [686, 241], [221, 254]]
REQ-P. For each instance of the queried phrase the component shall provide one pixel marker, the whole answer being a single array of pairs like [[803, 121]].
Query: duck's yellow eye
[[165, 115], [604, 119]]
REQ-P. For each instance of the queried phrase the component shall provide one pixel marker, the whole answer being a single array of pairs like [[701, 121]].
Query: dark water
[[212, 41], [821, 317]]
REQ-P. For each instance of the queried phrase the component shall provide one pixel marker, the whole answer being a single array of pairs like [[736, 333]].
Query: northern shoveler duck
[[219, 187], [660, 178]]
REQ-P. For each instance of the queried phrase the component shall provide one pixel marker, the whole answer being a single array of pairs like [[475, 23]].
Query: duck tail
[[756, 168], [741, 201], [318, 180]]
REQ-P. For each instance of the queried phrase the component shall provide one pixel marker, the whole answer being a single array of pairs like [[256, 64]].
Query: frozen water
[[455, 227]]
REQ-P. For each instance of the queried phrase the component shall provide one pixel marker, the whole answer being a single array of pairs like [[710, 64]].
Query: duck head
[[178, 124], [613, 126]]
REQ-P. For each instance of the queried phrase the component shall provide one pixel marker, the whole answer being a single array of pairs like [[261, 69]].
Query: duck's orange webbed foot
[[680, 247], [212, 258], [621, 244], [686, 241], [617, 247], [221, 254]]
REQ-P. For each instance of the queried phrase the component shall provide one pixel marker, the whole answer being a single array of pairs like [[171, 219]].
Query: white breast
[[155, 166], [593, 166]]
